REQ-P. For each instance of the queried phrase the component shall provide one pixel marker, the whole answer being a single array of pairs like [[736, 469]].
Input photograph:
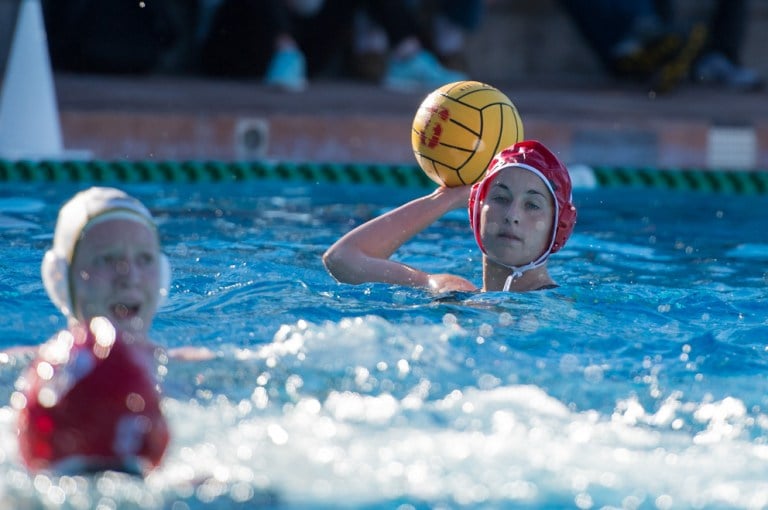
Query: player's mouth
[[124, 310], [510, 237]]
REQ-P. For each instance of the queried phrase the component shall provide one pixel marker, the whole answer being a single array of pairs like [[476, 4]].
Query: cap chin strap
[[517, 271]]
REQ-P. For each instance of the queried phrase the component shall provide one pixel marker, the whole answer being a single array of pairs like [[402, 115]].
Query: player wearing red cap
[[521, 212]]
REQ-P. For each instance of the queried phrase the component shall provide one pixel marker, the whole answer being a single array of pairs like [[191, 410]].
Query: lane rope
[[584, 177]]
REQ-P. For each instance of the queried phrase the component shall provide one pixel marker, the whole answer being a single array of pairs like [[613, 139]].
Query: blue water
[[639, 383]]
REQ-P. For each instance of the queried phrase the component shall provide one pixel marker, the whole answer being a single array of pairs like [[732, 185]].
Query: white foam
[[502, 444]]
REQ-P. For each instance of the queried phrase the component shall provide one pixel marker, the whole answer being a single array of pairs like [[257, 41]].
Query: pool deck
[[598, 123]]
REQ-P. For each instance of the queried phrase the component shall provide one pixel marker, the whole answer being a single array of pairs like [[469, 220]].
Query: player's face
[[516, 218], [115, 274]]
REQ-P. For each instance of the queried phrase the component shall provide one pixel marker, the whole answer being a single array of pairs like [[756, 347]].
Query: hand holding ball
[[459, 128]]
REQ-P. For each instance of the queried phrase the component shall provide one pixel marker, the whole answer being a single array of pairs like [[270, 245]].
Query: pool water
[[639, 383]]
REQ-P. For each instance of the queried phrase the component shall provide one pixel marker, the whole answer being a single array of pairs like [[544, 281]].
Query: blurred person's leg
[[630, 38], [447, 24], [721, 62], [325, 35], [182, 55], [603, 23], [410, 65], [287, 67]]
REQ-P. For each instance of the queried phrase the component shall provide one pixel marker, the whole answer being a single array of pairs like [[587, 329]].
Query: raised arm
[[362, 255]]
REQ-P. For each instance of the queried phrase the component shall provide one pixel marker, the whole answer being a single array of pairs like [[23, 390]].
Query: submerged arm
[[362, 255]]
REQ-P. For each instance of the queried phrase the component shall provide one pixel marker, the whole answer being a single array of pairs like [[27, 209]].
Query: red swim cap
[[90, 404], [533, 156]]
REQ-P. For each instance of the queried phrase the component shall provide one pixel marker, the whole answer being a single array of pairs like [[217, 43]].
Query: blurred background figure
[[283, 41], [633, 41], [720, 62], [649, 40], [287, 68], [389, 45], [288, 42], [446, 25]]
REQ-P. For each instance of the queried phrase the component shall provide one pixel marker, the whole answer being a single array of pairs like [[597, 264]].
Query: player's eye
[[145, 259], [533, 206], [500, 198]]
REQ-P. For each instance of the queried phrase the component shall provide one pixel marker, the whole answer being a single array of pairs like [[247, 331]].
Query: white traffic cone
[[29, 115]]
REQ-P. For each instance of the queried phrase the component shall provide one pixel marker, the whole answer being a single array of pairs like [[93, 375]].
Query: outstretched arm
[[362, 255]]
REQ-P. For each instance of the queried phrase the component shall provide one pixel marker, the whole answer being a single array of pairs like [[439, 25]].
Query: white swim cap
[[86, 208]]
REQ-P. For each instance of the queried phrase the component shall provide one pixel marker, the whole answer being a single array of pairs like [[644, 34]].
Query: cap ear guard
[[476, 196], [565, 223], [55, 274], [164, 277]]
